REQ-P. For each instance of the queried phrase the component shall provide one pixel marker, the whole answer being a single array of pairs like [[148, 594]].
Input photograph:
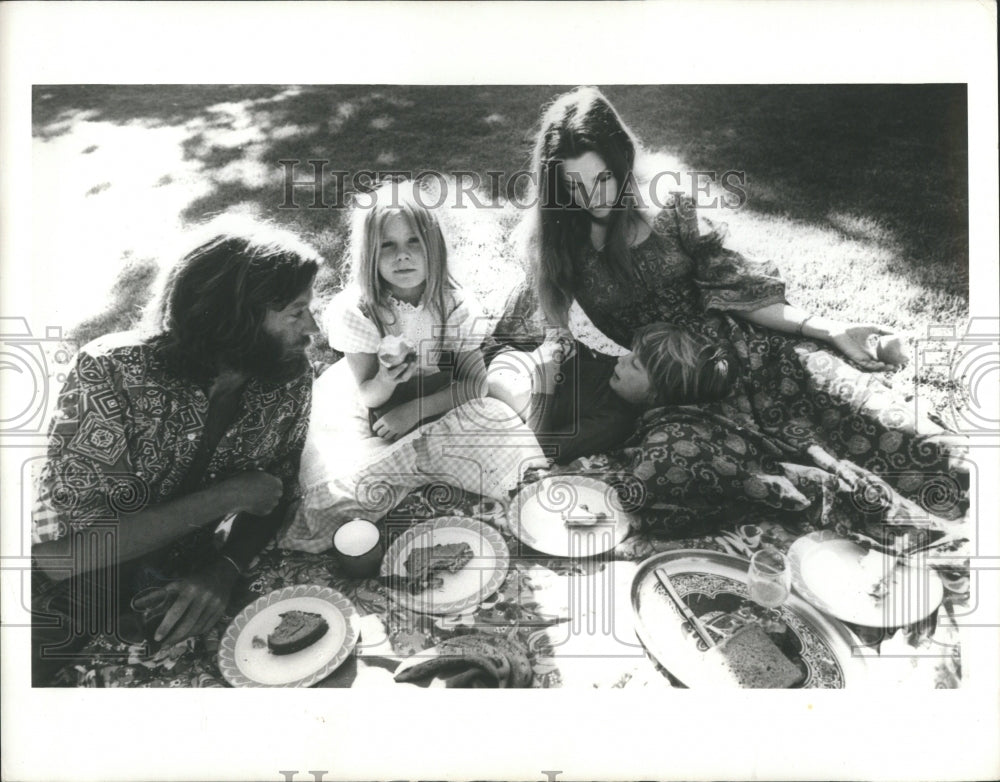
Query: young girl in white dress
[[387, 420]]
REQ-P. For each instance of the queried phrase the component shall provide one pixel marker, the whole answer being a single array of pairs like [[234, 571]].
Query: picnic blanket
[[542, 606]]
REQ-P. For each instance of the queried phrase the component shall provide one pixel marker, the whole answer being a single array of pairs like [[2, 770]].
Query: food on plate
[[751, 658], [581, 516], [258, 642], [424, 562], [297, 630], [880, 589], [393, 351]]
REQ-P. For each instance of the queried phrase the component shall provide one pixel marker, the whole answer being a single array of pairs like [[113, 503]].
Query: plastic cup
[[357, 548]]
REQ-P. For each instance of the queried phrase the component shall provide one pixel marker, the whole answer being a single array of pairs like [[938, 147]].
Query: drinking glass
[[357, 548], [769, 583]]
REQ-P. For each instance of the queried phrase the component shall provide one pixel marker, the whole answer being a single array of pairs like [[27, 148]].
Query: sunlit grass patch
[[858, 193]]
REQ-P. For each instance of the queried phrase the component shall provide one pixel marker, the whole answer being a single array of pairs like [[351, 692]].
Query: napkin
[[476, 660]]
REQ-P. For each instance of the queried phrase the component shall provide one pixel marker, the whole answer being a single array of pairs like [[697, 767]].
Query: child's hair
[[683, 367], [388, 199]]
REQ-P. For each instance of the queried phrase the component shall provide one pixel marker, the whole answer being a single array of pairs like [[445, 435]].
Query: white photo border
[[188, 734]]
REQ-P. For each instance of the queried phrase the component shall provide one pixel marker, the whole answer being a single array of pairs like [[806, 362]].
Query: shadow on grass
[[131, 292], [882, 163]]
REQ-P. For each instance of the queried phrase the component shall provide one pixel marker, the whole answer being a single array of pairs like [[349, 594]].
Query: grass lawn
[[859, 193]]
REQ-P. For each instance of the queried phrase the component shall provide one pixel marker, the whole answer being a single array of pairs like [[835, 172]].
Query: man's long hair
[[211, 308]]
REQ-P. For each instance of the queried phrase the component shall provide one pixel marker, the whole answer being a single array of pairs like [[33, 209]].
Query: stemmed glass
[[769, 583]]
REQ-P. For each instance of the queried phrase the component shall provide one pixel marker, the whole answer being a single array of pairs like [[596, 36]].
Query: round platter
[[245, 661], [540, 511], [477, 580], [713, 585]]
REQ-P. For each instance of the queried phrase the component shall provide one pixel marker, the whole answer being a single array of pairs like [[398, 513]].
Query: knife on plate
[[688, 614]]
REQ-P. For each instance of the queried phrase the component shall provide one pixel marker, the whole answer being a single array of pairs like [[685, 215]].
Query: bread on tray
[[753, 660]]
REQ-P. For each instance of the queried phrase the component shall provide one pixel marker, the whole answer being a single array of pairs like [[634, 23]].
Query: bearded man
[[163, 439]]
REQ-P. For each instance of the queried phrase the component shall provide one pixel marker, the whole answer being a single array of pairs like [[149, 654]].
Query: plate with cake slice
[[804, 650], [446, 565], [292, 637], [570, 516]]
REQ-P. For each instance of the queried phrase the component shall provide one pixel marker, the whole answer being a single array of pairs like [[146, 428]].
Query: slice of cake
[[582, 516], [751, 658], [424, 562], [298, 629]]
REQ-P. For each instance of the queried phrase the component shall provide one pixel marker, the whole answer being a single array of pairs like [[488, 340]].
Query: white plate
[[837, 576], [244, 665], [480, 578], [713, 585], [537, 516]]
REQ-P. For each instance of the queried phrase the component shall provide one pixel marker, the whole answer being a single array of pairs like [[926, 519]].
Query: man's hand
[[398, 421], [199, 603], [253, 492]]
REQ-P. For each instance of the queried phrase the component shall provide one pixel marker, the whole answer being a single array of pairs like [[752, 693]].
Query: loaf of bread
[[424, 562], [393, 351], [297, 630], [755, 661]]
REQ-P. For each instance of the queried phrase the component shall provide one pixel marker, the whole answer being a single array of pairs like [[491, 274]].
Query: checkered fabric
[[482, 447], [349, 330]]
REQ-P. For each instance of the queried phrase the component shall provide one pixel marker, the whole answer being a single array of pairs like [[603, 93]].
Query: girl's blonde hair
[[684, 368], [388, 199]]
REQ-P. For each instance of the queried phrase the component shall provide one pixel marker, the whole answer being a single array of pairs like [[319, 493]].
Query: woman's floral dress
[[802, 420]]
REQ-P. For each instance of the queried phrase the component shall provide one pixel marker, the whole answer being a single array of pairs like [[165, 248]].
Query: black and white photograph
[[645, 386]]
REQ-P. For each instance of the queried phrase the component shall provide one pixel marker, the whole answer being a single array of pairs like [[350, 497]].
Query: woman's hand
[[398, 421], [199, 603], [854, 341]]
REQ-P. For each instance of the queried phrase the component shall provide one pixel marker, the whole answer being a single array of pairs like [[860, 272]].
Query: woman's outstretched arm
[[850, 338]]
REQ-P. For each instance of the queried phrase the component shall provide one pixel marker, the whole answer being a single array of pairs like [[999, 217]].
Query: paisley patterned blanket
[[543, 605]]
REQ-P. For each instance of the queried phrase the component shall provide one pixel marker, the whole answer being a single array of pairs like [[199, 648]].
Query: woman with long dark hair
[[597, 237]]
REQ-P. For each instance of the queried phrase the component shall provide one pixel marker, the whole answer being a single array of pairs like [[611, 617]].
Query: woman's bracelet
[[802, 325]]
